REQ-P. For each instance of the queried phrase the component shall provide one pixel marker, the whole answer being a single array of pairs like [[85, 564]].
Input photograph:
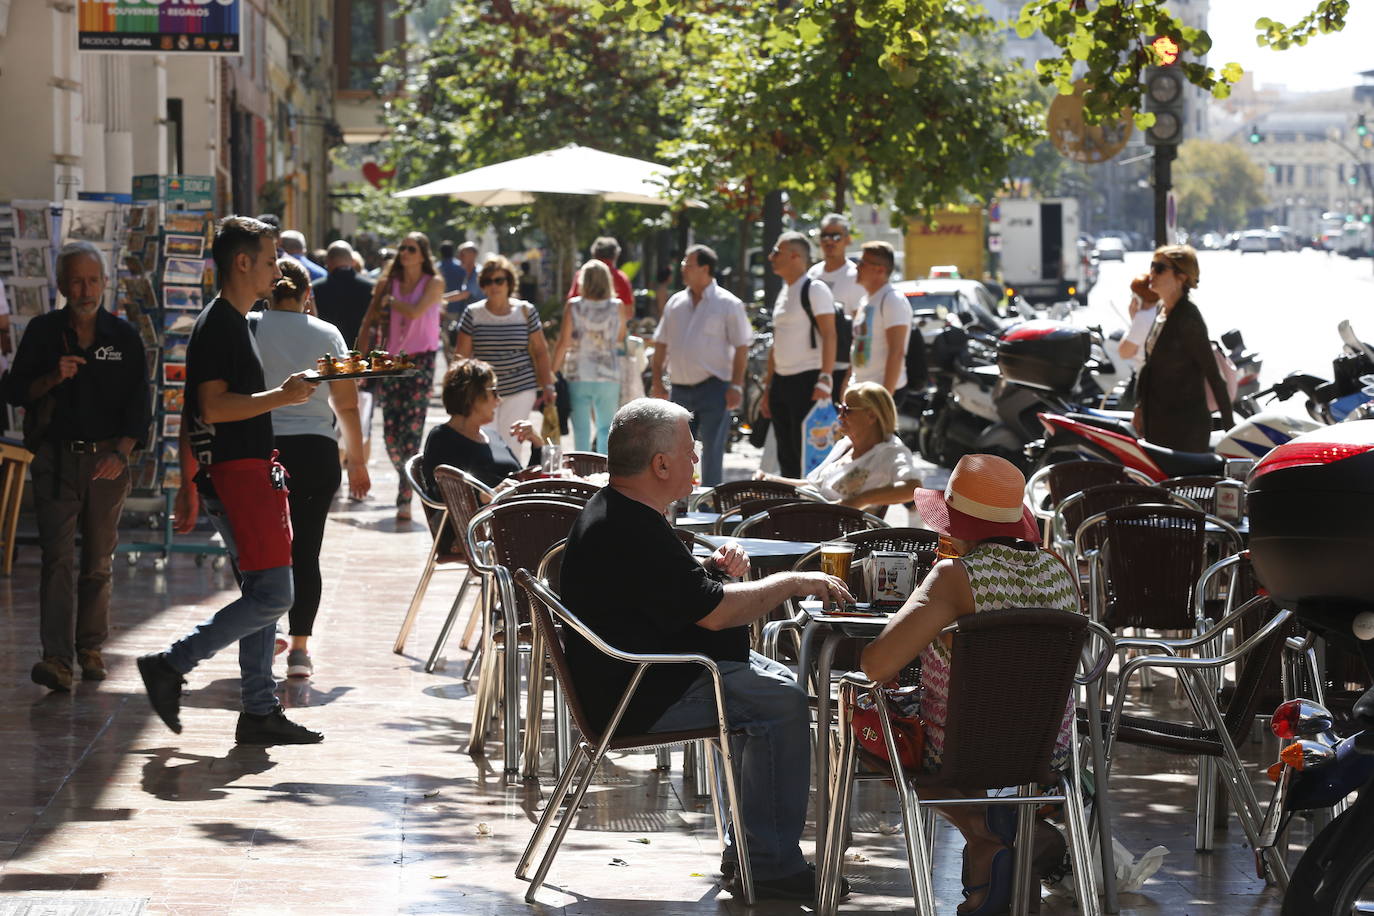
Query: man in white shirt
[[703, 340], [842, 276], [802, 360], [882, 324]]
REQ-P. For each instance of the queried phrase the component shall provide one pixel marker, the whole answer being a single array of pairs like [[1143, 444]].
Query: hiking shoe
[[298, 664], [273, 728], [163, 683], [92, 665], [53, 673], [800, 885]]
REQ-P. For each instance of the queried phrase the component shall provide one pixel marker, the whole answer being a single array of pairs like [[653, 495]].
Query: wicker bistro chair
[[1012, 673], [730, 519], [584, 463], [460, 496], [807, 521], [519, 532], [724, 497], [1216, 733], [1069, 514], [1200, 488], [1054, 483], [547, 610], [549, 488]]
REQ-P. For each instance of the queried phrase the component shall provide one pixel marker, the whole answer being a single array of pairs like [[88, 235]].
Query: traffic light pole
[[1164, 183]]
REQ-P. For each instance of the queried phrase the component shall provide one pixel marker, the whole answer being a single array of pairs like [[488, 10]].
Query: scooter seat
[[1180, 464], [1110, 424]]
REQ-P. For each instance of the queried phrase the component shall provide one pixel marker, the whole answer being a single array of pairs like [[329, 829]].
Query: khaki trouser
[[75, 608]]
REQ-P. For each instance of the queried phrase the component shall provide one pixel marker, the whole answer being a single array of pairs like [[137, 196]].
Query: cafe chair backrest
[[1069, 477], [585, 463], [521, 531], [1079, 507], [1152, 559], [727, 496], [462, 496], [807, 522], [550, 487], [1200, 488]]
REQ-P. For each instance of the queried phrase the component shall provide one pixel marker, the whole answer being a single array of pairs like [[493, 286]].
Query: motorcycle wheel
[[1351, 893]]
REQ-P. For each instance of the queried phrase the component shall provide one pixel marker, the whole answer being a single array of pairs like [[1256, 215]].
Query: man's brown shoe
[[92, 665], [53, 673]]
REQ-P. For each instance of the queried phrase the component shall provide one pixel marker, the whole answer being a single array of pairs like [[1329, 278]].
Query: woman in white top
[[586, 354], [291, 340], [870, 466]]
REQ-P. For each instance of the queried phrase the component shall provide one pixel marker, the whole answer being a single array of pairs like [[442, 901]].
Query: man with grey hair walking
[[663, 600], [292, 241], [81, 378]]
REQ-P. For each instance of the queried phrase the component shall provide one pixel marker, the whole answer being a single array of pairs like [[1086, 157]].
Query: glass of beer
[[835, 560]]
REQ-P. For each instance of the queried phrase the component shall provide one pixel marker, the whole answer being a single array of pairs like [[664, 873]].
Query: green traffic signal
[[1361, 127], [1255, 135], [1367, 218]]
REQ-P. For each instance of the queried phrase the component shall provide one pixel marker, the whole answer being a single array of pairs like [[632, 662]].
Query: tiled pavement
[[100, 805]]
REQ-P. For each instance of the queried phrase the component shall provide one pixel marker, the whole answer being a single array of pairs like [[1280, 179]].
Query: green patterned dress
[[1000, 576]]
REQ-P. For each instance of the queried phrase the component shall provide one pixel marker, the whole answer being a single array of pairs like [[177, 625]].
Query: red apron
[[258, 512]]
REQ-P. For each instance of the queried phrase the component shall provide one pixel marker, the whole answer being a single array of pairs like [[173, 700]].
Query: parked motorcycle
[[1311, 504]]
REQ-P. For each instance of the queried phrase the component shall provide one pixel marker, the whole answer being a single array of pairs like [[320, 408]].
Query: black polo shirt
[[106, 399], [222, 347], [342, 299], [628, 576]]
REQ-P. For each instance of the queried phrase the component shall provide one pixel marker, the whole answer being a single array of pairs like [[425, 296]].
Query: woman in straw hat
[[999, 565]]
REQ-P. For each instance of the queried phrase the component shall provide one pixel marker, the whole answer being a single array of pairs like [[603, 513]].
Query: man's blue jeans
[[772, 761], [250, 621], [710, 423]]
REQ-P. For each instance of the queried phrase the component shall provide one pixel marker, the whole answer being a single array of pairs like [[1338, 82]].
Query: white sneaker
[[280, 645], [298, 664]]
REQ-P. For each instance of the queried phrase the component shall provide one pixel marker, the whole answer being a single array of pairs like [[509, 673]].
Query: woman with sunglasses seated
[[506, 333], [1180, 365], [998, 564], [869, 466]]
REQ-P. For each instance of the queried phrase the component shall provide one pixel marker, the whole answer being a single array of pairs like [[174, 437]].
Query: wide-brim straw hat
[[983, 499]]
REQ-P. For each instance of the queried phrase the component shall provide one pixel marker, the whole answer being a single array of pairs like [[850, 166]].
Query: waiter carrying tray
[[226, 448]]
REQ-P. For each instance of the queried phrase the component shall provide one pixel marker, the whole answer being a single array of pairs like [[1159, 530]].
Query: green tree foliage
[[829, 99], [1216, 185]]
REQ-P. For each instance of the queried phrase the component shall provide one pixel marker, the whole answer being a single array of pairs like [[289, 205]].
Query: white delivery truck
[[1040, 256]]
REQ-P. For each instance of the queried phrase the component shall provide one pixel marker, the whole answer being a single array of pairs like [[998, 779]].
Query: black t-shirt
[[342, 299], [628, 576], [222, 347], [490, 462]]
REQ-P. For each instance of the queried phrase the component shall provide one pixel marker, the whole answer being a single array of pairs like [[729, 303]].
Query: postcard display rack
[[162, 291]]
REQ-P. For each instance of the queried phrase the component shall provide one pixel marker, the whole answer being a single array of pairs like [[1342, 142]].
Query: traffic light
[[1164, 96], [1255, 135], [1361, 127]]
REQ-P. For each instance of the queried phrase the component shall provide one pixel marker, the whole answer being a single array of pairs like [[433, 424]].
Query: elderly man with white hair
[[81, 378], [660, 599], [292, 241]]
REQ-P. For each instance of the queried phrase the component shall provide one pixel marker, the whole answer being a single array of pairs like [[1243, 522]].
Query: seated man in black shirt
[[629, 577]]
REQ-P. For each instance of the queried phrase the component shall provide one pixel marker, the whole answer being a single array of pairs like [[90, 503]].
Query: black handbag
[[758, 433]]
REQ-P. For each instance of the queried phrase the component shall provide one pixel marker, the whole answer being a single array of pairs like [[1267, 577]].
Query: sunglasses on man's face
[[831, 236]]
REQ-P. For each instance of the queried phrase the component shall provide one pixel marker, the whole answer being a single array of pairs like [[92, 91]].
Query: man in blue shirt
[[461, 288], [293, 243]]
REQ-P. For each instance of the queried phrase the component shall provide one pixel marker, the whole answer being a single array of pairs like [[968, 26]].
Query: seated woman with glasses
[[869, 466], [506, 333], [998, 564], [1180, 365]]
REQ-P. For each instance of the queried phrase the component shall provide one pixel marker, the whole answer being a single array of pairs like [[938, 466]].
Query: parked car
[[1254, 240], [1110, 248]]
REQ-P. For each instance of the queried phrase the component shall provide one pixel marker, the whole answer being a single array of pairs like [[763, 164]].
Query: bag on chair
[[908, 730]]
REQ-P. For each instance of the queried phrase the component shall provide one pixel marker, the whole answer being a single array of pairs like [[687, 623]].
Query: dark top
[[628, 577], [108, 396], [222, 347], [1172, 399], [490, 462], [342, 299]]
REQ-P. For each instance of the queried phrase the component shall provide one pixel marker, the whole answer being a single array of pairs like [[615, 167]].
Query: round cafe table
[[766, 555]]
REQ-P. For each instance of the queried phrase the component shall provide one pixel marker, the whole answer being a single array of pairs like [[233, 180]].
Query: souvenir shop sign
[[160, 26]]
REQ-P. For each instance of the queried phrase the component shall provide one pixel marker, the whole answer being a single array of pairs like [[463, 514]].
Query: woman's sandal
[[998, 887]]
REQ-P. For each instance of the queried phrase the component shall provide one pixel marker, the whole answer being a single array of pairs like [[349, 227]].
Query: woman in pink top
[[405, 308]]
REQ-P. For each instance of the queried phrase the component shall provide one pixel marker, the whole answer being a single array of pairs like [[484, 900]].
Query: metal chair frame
[[592, 748], [584, 463], [1038, 491], [1064, 541], [548, 488], [434, 561], [918, 829], [453, 518]]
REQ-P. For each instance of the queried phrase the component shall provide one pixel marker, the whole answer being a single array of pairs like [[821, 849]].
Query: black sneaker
[[273, 728], [800, 885], [163, 683]]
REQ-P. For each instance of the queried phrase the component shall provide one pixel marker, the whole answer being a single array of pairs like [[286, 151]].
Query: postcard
[[183, 272], [170, 452], [31, 260], [179, 324], [173, 398], [32, 220], [186, 223], [174, 347], [135, 240], [150, 255], [171, 425], [134, 264], [29, 301], [89, 222], [182, 297], [184, 246], [171, 477], [174, 372]]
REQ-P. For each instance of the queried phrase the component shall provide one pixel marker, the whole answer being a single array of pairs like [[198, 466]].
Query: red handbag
[[908, 729]]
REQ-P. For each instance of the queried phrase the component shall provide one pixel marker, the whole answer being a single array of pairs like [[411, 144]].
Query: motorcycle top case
[[1044, 354], [1311, 506]]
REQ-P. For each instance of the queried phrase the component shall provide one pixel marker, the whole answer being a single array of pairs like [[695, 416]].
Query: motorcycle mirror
[[1349, 338]]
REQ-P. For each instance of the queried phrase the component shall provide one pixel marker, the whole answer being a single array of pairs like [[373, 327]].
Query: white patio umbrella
[[571, 169]]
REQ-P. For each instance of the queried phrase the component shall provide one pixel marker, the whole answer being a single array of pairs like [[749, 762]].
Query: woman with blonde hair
[[870, 465], [404, 313], [506, 333], [587, 355], [1180, 365]]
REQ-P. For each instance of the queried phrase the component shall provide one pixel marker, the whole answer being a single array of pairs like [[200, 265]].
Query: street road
[[1286, 303]]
